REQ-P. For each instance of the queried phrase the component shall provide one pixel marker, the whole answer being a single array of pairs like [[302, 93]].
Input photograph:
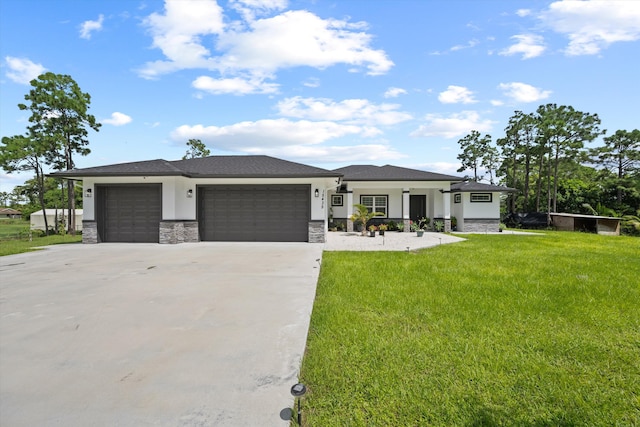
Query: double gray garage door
[[262, 213]]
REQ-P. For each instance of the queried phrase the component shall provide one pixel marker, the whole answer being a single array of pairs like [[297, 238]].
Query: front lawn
[[15, 237], [496, 330]]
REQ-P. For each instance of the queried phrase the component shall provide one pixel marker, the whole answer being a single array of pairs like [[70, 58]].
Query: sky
[[325, 83]]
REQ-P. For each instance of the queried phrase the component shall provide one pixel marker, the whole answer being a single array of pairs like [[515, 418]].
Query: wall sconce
[[317, 193], [88, 192], [190, 193]]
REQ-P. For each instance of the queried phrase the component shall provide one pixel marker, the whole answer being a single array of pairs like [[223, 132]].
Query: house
[[8, 213], [62, 215], [250, 198]]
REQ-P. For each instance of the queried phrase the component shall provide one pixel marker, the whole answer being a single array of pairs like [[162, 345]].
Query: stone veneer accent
[[89, 232], [406, 225], [481, 225], [316, 231], [172, 232]]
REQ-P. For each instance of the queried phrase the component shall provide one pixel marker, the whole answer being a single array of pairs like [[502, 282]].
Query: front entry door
[[417, 207]]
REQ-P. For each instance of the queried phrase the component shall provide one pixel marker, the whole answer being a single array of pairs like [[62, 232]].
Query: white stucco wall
[[176, 205], [481, 210]]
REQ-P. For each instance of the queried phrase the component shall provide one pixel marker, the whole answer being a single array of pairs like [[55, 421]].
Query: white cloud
[[594, 25], [351, 111], [394, 92], [118, 119], [522, 92], [235, 85], [22, 70], [470, 44], [529, 45], [312, 82], [300, 38], [256, 47], [87, 27], [455, 125], [249, 9], [178, 34], [447, 168], [523, 12], [250, 135], [496, 102], [455, 95]]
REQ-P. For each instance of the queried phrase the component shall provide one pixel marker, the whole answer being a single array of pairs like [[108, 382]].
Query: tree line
[[58, 130], [543, 155]]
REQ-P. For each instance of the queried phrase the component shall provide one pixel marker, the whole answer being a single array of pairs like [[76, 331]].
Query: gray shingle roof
[[463, 187], [146, 168], [248, 166], [206, 167], [391, 173]]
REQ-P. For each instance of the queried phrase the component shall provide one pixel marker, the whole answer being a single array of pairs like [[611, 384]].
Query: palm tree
[[363, 215]]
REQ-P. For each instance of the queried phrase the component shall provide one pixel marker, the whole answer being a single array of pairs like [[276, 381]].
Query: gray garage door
[[129, 213], [261, 213]]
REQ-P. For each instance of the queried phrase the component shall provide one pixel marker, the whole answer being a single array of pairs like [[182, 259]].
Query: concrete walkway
[[391, 241], [204, 334]]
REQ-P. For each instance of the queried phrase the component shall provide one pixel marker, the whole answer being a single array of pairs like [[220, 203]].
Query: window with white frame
[[481, 198], [457, 198], [375, 204]]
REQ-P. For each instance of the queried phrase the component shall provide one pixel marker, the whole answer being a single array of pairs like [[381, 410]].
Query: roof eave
[[265, 175], [111, 174]]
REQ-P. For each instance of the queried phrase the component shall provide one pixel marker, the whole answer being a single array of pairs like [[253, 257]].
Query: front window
[[375, 204], [481, 197]]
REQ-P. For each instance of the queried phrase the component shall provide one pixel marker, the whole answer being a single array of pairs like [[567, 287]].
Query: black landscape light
[[298, 390]]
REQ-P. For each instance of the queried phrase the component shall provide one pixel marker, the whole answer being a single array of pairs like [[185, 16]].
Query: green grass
[[13, 228], [14, 238], [498, 330]]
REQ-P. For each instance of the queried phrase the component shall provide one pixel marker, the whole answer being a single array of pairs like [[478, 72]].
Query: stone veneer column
[[89, 231], [191, 232], [173, 232], [316, 231]]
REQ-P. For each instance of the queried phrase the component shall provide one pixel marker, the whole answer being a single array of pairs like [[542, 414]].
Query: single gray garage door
[[260, 213], [129, 213]]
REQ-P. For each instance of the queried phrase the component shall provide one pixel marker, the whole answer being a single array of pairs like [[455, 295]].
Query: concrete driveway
[[205, 334]]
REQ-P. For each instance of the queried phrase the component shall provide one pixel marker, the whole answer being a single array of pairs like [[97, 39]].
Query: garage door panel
[[254, 212], [129, 213]]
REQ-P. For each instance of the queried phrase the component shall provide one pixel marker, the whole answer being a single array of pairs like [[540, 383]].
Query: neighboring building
[[254, 198], [589, 223], [10, 213], [62, 215]]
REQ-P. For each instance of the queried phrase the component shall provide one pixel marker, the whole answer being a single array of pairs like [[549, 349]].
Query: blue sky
[[326, 83]]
